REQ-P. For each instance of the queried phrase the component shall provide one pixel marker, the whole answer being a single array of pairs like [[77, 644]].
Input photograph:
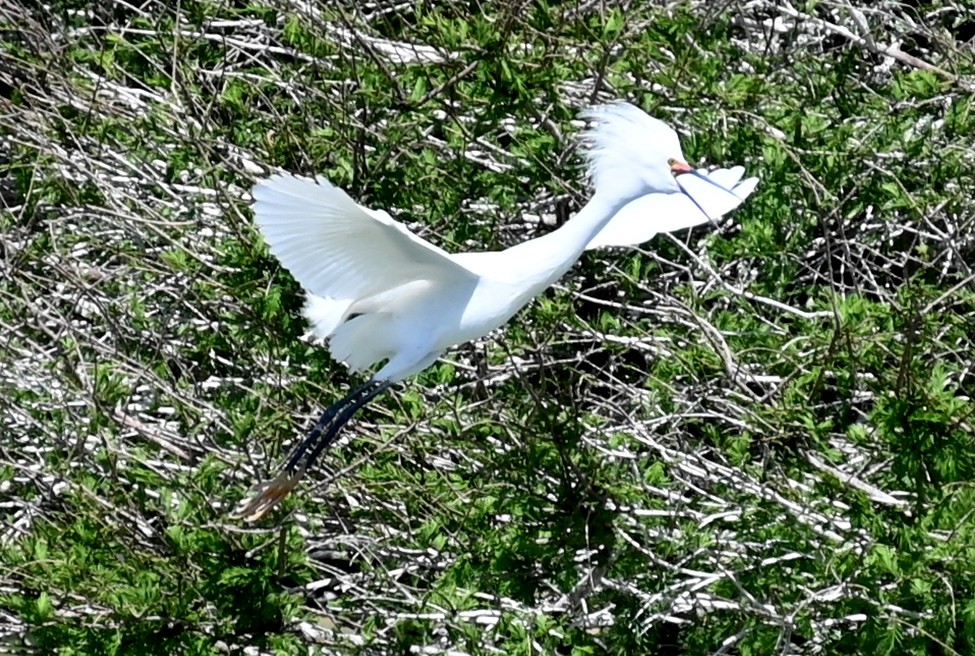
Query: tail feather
[[324, 314], [362, 341]]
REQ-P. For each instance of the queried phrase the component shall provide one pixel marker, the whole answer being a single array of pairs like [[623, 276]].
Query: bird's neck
[[545, 259]]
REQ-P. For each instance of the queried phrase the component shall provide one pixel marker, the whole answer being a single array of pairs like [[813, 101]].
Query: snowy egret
[[377, 292]]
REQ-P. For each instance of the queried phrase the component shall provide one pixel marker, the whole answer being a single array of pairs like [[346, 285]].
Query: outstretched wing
[[704, 196], [717, 192], [337, 249]]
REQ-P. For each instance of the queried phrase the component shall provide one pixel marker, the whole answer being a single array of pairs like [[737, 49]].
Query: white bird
[[377, 292]]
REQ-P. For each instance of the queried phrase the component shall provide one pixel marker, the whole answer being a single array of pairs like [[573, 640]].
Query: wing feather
[[699, 201], [712, 197], [337, 249]]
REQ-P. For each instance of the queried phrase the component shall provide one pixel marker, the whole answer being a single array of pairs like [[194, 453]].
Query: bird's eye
[[671, 161]]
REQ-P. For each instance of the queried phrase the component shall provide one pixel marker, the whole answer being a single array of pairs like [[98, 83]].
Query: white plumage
[[378, 292]]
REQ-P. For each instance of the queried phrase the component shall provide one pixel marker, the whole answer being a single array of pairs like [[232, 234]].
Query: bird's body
[[377, 292]]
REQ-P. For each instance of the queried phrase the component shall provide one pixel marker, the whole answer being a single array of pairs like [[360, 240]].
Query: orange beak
[[677, 167]]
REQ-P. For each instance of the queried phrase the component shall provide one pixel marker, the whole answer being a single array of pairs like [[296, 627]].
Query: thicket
[[753, 438]]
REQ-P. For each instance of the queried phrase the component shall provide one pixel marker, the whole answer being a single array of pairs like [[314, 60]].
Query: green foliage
[[752, 439]]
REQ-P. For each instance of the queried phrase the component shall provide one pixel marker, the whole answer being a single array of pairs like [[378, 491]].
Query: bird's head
[[632, 154]]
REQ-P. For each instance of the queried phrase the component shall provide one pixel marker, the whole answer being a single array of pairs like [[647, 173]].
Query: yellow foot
[[265, 496]]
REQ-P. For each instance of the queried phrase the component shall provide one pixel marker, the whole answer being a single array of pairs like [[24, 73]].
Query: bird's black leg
[[343, 418], [266, 495], [331, 422]]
